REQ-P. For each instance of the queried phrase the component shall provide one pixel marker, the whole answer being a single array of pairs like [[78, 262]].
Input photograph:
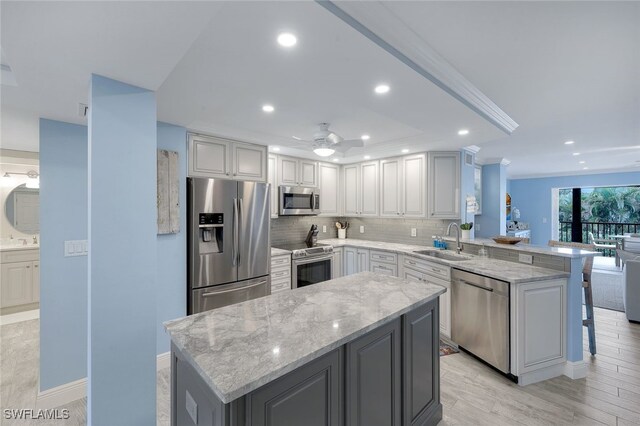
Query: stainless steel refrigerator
[[229, 250]]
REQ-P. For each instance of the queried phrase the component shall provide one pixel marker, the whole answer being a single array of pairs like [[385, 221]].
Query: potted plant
[[465, 229]]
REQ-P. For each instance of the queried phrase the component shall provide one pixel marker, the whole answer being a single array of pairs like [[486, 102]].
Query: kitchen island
[[362, 349]]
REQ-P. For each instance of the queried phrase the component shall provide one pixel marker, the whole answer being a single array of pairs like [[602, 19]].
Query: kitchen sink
[[443, 255]]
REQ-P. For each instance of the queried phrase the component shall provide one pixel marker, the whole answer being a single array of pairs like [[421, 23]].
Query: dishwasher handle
[[475, 285]]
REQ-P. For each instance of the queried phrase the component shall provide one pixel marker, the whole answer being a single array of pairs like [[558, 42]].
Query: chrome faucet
[[458, 245]]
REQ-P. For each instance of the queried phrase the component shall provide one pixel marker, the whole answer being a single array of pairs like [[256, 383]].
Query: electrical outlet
[[414, 232], [477, 225], [324, 229], [525, 258], [362, 229], [76, 248]]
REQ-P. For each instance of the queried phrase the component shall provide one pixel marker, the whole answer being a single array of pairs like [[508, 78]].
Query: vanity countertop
[[15, 247]]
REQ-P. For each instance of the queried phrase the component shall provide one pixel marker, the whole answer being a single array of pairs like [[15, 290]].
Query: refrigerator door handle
[[240, 213], [234, 252]]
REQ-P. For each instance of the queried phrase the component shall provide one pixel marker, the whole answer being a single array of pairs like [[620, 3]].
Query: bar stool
[[587, 268]]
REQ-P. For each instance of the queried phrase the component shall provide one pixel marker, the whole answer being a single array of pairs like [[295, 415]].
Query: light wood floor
[[472, 394]]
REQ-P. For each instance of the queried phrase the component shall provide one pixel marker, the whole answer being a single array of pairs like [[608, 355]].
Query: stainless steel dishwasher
[[480, 317]]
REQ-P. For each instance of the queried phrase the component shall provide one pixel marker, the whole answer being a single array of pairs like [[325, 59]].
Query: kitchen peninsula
[[362, 348]]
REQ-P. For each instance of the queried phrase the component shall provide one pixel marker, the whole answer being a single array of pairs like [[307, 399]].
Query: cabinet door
[[363, 260], [413, 275], [351, 190], [209, 156], [390, 187], [288, 171], [384, 268], [329, 200], [249, 162], [17, 284], [350, 261], [369, 189], [445, 305], [35, 285], [310, 395], [414, 192], [373, 382], [336, 272], [273, 180], [308, 173], [444, 185], [421, 365]]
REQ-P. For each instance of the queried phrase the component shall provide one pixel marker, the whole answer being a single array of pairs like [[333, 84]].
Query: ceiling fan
[[325, 142]]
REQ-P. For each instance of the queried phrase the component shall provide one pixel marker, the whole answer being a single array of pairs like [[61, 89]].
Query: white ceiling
[[562, 70]]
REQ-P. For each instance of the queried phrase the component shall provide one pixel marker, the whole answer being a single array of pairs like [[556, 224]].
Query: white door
[[288, 171], [209, 157], [337, 263], [351, 190], [26, 209], [16, 286], [444, 185], [273, 180], [350, 261], [308, 173], [369, 189], [329, 200], [249, 162], [390, 184], [414, 186], [363, 260]]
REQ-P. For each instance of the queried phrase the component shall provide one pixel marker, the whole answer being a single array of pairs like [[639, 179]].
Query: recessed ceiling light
[[296, 138], [268, 108], [275, 148], [585, 168], [463, 132], [569, 142], [575, 154], [367, 157], [581, 162], [287, 40], [381, 89], [365, 137], [404, 151], [336, 159]]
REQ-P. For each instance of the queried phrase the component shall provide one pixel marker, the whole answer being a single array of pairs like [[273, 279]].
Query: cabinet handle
[[28, 267], [234, 174], [436, 270], [228, 173], [35, 266], [398, 213], [411, 262]]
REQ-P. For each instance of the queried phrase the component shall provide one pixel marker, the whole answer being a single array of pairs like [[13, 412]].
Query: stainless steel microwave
[[298, 201]]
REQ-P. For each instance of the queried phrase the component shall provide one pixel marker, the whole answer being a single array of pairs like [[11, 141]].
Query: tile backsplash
[[294, 229]]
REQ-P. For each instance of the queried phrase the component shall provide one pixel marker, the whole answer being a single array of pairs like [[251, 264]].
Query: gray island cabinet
[[358, 350]]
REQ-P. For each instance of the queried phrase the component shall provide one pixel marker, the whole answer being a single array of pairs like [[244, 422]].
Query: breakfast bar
[[364, 348]]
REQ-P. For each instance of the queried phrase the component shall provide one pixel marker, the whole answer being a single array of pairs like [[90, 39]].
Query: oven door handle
[[312, 259]]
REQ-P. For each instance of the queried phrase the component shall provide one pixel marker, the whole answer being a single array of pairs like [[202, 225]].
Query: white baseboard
[[72, 391], [542, 374], [575, 369], [19, 317]]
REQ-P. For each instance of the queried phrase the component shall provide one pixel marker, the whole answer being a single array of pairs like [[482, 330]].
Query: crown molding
[[472, 148], [379, 24], [495, 160]]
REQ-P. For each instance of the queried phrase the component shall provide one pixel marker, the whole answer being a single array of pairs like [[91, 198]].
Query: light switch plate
[[525, 258], [191, 407], [362, 229], [324, 229], [414, 232], [76, 248]]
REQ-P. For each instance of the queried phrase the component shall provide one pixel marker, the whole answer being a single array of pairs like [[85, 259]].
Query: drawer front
[[280, 285], [434, 269], [20, 255], [383, 268], [386, 257], [280, 273], [280, 261]]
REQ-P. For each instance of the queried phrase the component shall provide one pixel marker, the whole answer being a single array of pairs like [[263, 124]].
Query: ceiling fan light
[[324, 152]]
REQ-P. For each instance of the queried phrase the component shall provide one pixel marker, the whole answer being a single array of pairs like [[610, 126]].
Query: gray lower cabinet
[[388, 377]]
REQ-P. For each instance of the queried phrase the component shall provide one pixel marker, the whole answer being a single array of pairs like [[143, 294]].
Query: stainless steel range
[[310, 264]]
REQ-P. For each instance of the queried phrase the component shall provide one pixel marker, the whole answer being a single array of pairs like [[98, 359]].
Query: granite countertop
[[530, 248], [511, 272], [279, 252], [238, 348]]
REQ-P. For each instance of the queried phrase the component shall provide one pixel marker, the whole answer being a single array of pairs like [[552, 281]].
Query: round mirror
[[22, 209]]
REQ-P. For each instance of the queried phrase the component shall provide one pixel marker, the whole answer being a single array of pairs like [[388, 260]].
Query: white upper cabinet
[[403, 187], [297, 172], [444, 185], [223, 158], [329, 175], [272, 173], [361, 189]]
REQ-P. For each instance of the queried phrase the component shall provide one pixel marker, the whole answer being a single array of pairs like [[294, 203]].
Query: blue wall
[[122, 256], [63, 280], [533, 197], [492, 221], [172, 248]]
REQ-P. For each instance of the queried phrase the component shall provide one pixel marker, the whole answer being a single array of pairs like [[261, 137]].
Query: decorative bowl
[[506, 240]]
